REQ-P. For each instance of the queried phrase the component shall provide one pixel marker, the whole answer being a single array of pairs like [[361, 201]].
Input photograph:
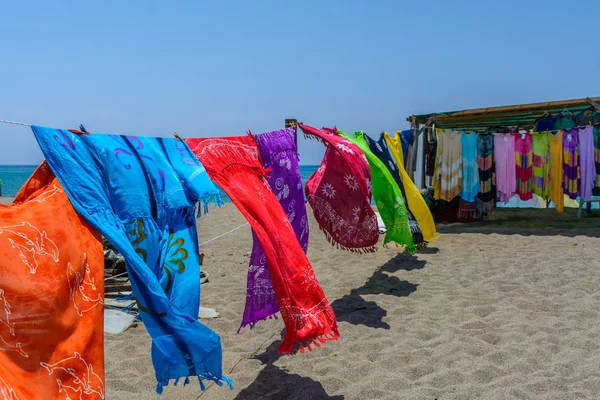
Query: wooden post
[[293, 123]]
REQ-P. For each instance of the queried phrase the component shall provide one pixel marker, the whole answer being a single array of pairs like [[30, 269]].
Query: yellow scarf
[[415, 200]]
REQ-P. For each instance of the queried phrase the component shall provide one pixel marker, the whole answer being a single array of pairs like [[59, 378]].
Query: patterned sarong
[[279, 152], [339, 193], [51, 297], [233, 163], [524, 166], [541, 164]]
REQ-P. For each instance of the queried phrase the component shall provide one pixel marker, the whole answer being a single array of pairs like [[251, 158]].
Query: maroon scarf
[[340, 193]]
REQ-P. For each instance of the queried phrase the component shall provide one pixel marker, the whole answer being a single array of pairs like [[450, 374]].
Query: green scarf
[[388, 197]]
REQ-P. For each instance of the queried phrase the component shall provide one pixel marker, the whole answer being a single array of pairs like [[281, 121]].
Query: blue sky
[[219, 68]]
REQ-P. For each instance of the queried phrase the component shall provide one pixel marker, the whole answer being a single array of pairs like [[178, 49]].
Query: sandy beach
[[506, 309]]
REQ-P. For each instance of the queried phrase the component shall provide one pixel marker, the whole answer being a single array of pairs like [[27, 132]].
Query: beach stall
[[537, 144]]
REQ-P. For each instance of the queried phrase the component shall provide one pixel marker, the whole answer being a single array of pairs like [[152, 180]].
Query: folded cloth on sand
[[388, 197], [233, 163], [140, 192], [380, 149], [51, 297], [414, 198], [279, 152], [339, 193]]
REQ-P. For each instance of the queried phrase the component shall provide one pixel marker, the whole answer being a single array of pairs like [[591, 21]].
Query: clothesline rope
[[224, 234], [201, 244], [13, 122]]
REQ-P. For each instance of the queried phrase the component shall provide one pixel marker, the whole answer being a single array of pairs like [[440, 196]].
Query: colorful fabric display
[[414, 198], [233, 163], [140, 192], [51, 297], [541, 164], [388, 197], [380, 149], [486, 199]]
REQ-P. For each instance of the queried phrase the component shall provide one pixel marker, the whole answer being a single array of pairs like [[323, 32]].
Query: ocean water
[[14, 176]]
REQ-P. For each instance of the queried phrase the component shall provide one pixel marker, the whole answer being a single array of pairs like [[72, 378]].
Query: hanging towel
[[504, 155], [51, 297], [407, 139], [233, 163], [470, 173], [389, 200], [279, 152], [557, 194], [571, 168], [140, 192], [339, 193], [586, 157], [524, 166], [486, 199], [541, 164], [435, 181], [414, 198], [450, 166], [381, 151]]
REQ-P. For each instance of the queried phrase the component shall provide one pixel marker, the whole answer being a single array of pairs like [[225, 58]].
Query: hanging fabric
[[450, 166], [233, 163], [596, 191], [571, 169], [51, 297], [430, 152], [409, 155], [414, 198], [587, 164], [557, 194], [435, 181], [340, 191], [470, 173], [279, 153], [380, 150], [140, 192], [486, 199], [388, 197], [524, 166], [504, 155], [541, 164]]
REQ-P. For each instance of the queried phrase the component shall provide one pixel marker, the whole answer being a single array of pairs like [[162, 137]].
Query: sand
[[505, 309]]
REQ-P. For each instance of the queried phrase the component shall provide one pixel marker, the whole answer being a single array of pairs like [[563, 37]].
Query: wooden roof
[[520, 115]]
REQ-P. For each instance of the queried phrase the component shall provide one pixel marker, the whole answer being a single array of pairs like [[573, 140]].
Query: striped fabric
[[486, 198], [571, 170], [524, 166]]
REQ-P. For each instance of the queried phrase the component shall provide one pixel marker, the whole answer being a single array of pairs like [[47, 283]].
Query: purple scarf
[[279, 151]]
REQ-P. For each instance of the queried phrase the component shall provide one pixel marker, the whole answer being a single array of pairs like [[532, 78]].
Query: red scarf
[[340, 193], [234, 164]]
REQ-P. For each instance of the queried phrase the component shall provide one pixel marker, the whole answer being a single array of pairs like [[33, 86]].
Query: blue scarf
[[139, 193], [406, 137]]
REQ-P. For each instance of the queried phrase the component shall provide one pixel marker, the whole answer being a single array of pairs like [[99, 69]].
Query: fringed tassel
[[360, 250], [201, 378], [253, 323]]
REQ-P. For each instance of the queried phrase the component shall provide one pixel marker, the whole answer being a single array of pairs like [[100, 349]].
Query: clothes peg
[[177, 136]]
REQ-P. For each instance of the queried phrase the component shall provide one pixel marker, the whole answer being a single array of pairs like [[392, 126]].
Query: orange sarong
[[51, 297]]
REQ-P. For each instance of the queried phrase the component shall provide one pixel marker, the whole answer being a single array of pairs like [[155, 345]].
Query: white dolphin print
[[6, 392], [5, 313], [47, 194], [84, 294], [84, 383], [31, 242]]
